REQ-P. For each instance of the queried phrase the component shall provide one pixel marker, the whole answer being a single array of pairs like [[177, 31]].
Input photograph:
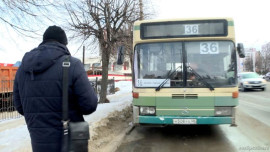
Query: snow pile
[[16, 137], [118, 101], [108, 133]]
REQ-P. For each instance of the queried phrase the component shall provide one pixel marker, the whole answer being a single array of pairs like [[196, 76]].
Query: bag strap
[[65, 121], [65, 65]]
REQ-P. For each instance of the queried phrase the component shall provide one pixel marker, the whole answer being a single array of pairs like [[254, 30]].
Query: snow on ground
[[17, 137], [118, 101], [11, 139]]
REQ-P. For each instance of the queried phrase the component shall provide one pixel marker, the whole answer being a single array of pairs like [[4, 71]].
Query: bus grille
[[184, 96]]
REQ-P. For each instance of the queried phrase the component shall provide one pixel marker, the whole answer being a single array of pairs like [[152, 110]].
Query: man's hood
[[43, 57]]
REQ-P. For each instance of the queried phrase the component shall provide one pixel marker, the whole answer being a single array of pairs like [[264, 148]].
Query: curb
[[119, 142]]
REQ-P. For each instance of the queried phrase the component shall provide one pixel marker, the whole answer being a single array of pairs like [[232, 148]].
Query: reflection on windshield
[[214, 61], [168, 77], [195, 75]]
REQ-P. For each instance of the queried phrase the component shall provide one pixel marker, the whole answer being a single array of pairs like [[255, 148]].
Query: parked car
[[267, 76], [251, 80]]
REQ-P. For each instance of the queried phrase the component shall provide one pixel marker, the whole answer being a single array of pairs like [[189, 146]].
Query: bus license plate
[[185, 121]]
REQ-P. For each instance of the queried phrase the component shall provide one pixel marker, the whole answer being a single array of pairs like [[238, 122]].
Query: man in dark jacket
[[38, 91]]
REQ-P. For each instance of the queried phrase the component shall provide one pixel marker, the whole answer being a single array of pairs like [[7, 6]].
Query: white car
[[250, 80]]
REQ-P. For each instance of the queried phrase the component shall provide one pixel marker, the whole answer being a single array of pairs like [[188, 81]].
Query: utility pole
[[141, 9], [83, 54]]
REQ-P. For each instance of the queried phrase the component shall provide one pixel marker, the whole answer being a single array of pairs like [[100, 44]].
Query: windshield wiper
[[164, 82], [201, 79]]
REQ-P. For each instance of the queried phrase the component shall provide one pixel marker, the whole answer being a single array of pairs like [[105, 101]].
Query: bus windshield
[[213, 61]]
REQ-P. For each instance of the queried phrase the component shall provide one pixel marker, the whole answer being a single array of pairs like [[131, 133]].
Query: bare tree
[[106, 22], [102, 21], [258, 63], [265, 56], [146, 11], [248, 64], [24, 15]]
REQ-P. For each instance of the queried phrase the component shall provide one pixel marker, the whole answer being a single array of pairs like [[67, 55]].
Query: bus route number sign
[[192, 29], [209, 48]]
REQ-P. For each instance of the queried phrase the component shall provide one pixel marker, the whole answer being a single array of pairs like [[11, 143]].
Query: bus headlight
[[147, 110], [223, 111]]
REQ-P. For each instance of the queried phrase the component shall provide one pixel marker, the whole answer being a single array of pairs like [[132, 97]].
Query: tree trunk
[[104, 80]]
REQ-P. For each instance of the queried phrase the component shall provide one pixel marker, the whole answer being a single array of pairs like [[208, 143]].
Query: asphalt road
[[256, 103], [251, 134]]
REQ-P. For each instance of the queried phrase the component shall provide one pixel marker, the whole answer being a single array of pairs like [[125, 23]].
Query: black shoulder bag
[[75, 134]]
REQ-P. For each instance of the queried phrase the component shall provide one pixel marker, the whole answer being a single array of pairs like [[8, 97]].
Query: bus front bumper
[[178, 120]]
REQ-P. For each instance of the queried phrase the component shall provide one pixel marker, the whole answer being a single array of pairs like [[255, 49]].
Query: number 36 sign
[[209, 48]]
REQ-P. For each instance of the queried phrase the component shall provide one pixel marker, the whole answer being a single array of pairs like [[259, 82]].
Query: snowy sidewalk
[[14, 136]]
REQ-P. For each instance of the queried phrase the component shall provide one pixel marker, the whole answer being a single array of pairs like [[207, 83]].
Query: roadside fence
[[97, 86], [7, 110]]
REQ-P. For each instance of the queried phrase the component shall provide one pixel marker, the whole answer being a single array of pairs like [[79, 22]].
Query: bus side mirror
[[120, 55], [241, 50]]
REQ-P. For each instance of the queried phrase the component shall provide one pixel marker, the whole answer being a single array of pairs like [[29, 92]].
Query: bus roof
[[179, 19]]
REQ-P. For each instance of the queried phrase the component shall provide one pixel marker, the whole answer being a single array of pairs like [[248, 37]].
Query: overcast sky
[[251, 18]]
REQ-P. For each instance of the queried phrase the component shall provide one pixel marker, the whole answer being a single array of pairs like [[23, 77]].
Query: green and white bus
[[185, 72]]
